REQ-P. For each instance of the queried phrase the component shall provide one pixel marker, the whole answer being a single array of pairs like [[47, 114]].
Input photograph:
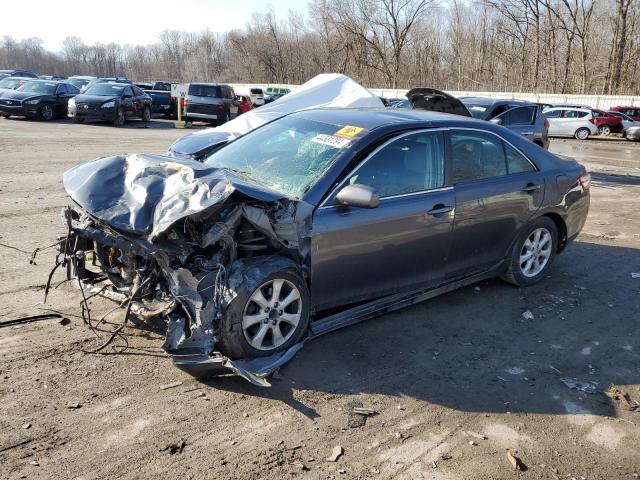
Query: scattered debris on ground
[[357, 414], [575, 384], [624, 399], [170, 385], [516, 463], [174, 448], [528, 315], [336, 453], [74, 405]]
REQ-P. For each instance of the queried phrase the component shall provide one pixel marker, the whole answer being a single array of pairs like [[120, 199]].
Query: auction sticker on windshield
[[349, 131], [330, 140]]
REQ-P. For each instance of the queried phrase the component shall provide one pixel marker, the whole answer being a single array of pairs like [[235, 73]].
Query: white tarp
[[324, 90]]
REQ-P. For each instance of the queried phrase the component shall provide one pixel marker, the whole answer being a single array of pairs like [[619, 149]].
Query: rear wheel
[[225, 117], [532, 253], [6, 115], [146, 115], [604, 130], [582, 133], [46, 112], [119, 120], [266, 319]]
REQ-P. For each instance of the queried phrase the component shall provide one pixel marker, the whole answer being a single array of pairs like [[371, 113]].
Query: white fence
[[603, 102]]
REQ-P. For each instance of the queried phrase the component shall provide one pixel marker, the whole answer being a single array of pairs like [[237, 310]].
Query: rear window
[[205, 91], [476, 110], [256, 91]]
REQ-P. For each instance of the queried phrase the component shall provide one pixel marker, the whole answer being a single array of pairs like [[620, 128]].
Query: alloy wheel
[[535, 252], [46, 112], [605, 130], [582, 134], [272, 314]]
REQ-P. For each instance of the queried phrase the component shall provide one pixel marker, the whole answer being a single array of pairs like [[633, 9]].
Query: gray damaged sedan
[[315, 221]]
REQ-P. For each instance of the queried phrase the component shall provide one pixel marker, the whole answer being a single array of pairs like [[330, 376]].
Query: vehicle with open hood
[[38, 99], [316, 220], [522, 117]]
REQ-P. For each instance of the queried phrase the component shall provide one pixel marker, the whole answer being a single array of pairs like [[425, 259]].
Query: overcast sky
[[126, 21]]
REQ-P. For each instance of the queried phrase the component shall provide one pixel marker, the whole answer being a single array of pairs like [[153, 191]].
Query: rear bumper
[[206, 116]]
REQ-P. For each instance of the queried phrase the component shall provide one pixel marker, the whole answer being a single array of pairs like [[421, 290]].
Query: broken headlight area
[[188, 276]]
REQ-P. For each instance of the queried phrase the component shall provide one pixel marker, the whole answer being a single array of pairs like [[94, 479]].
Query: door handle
[[439, 209], [527, 133], [531, 187]]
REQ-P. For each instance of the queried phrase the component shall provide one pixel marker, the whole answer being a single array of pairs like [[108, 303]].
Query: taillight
[[546, 123], [592, 120], [585, 181], [185, 103], [219, 106]]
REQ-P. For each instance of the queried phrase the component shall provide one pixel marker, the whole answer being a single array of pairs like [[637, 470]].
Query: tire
[[120, 119], [46, 112], [224, 119], [517, 272], [604, 130], [76, 119], [146, 115], [5, 115], [249, 330], [582, 133]]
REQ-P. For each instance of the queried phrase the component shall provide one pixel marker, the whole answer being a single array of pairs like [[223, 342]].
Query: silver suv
[[210, 102]]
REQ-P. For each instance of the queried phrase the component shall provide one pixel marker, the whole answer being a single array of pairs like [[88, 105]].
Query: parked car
[[17, 73], [210, 102], [606, 122], [633, 112], [39, 99], [160, 93], [273, 98], [80, 81], [293, 222], [276, 90], [257, 96], [571, 122], [524, 118], [51, 77], [627, 121], [244, 103], [632, 133], [12, 83], [571, 105], [110, 101]]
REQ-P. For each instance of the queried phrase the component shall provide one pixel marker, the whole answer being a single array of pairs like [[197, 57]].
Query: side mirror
[[358, 195], [497, 121]]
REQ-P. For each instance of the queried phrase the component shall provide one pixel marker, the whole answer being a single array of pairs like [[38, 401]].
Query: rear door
[[554, 118], [359, 253], [128, 101], [521, 120], [497, 190]]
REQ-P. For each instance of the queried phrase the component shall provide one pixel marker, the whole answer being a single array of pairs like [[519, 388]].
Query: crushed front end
[[178, 249]]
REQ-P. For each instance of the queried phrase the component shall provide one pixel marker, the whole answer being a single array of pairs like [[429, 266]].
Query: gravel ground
[[457, 382]]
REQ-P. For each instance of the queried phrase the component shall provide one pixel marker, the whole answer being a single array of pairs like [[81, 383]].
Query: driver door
[[360, 253]]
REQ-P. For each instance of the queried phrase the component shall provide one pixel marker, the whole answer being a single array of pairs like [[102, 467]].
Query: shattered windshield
[[287, 155]]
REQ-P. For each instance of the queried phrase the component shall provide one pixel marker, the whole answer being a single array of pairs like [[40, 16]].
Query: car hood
[[436, 101], [94, 99], [146, 194], [17, 95], [324, 90]]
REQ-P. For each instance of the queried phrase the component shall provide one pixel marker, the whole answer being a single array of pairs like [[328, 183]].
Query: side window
[[552, 113], [522, 115], [516, 162], [477, 155], [413, 163], [575, 114], [61, 89], [596, 114], [137, 92], [128, 91], [72, 89]]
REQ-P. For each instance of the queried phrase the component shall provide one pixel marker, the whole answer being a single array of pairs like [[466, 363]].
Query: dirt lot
[[465, 367]]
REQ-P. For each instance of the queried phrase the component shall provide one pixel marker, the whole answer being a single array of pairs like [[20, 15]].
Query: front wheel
[[268, 318], [532, 253], [582, 133], [119, 120], [46, 112], [604, 130]]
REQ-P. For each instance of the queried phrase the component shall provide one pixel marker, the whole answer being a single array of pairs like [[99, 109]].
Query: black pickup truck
[[160, 93]]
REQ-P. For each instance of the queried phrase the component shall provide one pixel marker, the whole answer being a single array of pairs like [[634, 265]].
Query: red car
[[633, 112], [244, 103], [606, 122]]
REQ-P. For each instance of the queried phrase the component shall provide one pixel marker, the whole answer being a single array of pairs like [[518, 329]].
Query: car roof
[[377, 117], [40, 80], [582, 109], [490, 101], [18, 77], [83, 77]]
